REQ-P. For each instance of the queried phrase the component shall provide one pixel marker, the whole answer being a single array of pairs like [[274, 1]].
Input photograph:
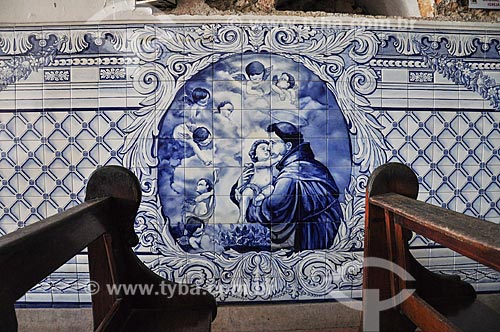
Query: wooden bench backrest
[[392, 212]]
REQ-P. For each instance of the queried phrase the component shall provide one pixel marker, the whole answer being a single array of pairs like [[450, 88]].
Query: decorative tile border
[[56, 75], [112, 74], [421, 77]]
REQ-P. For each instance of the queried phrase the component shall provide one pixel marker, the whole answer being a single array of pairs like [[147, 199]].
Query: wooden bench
[[440, 303], [104, 223]]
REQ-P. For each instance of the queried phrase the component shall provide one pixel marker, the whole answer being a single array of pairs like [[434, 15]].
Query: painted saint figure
[[303, 212]]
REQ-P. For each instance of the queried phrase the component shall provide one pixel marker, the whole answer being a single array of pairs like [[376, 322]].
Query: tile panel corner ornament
[[449, 64]]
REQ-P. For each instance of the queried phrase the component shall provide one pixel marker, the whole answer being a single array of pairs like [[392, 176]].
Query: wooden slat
[[102, 269], [115, 317], [30, 254], [472, 237], [426, 317], [392, 252]]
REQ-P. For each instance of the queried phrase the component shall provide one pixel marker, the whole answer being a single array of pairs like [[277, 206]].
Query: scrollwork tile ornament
[[456, 45], [348, 62], [453, 63]]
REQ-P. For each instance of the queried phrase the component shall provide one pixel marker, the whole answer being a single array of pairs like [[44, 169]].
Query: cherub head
[[285, 81], [204, 185], [202, 136], [194, 226], [200, 96], [255, 71], [225, 108], [260, 150]]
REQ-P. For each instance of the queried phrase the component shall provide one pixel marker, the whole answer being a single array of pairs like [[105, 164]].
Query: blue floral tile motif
[[253, 143]]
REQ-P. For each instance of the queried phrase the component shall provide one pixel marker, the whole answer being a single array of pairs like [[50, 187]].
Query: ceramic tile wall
[[182, 105]]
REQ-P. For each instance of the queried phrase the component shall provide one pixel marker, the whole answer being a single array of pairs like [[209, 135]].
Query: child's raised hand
[[247, 174]]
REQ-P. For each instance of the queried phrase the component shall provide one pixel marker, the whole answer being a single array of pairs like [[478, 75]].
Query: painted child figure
[[225, 108], [284, 86], [198, 138], [199, 238], [204, 202], [257, 83], [259, 186], [198, 103]]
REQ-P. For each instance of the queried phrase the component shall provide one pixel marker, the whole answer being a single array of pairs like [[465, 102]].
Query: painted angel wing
[[275, 79], [187, 100], [267, 72], [239, 77]]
